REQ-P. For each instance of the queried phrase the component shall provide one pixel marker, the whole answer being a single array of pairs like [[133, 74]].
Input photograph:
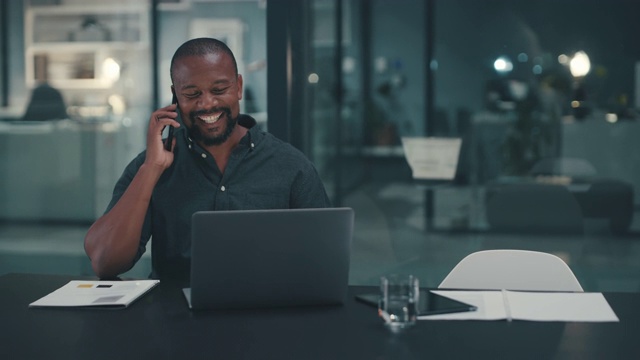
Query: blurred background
[[544, 96]]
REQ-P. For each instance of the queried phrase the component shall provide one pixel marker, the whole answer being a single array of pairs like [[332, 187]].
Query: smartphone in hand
[[169, 141]]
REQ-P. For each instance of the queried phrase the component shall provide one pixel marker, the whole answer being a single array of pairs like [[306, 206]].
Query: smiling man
[[219, 160]]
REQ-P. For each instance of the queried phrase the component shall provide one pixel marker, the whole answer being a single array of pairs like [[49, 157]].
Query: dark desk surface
[[160, 326]]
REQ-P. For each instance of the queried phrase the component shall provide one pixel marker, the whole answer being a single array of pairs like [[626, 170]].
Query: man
[[46, 103], [219, 160]]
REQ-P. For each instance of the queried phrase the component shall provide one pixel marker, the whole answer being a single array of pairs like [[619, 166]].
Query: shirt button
[[222, 188], [204, 156], [253, 145], [189, 146]]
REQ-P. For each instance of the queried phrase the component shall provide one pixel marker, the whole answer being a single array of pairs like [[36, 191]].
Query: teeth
[[211, 118]]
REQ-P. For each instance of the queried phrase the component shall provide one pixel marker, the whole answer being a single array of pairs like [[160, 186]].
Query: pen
[[507, 308]]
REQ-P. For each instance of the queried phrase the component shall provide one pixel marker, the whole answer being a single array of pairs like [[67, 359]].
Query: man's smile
[[210, 119]]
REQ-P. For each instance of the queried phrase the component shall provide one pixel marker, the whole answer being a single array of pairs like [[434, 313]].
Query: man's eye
[[219, 91], [191, 95]]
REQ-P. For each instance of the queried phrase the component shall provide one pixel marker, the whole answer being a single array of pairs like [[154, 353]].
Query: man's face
[[209, 94]]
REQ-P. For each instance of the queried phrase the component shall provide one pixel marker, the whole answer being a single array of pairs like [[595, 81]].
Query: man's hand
[[157, 155]]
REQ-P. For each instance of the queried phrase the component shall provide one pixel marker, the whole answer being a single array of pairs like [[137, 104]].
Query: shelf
[[65, 24], [78, 46]]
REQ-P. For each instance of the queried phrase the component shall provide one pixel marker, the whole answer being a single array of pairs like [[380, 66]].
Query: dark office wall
[[471, 34]]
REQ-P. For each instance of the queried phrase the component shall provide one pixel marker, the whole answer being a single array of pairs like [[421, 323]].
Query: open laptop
[[269, 258]]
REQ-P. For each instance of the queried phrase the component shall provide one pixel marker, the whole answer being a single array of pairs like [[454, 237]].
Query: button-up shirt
[[263, 172]]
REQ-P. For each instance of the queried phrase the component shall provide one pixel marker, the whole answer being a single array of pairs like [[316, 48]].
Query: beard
[[197, 134]]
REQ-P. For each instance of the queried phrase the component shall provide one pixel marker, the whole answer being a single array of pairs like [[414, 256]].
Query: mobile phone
[[169, 141], [429, 303]]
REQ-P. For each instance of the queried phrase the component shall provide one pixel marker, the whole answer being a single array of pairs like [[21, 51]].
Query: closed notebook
[[84, 293]]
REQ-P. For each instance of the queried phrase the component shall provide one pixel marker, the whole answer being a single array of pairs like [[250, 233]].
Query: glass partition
[[543, 95], [545, 105], [82, 88], [79, 104]]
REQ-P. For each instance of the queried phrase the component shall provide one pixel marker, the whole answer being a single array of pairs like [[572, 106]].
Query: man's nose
[[208, 101]]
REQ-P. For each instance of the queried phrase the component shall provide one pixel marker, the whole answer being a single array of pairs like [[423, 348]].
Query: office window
[[544, 96], [545, 104]]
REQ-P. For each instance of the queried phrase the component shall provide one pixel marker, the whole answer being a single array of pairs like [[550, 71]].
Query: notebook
[[269, 258]]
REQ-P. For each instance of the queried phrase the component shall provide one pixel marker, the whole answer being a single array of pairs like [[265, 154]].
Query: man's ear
[[239, 87]]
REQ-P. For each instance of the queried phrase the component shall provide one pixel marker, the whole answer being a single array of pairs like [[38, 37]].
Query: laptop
[[269, 258]]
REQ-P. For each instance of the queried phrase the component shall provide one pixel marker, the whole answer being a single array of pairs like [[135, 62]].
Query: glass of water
[[399, 296]]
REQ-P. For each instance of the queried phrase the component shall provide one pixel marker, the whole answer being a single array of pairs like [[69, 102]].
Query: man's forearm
[[112, 241]]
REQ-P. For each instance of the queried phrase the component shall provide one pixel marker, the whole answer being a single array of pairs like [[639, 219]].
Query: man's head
[[208, 88]]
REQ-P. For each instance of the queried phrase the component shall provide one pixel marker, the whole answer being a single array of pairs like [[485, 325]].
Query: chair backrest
[[512, 270], [533, 208]]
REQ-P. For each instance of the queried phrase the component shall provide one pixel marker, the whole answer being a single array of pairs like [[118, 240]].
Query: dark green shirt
[[263, 172]]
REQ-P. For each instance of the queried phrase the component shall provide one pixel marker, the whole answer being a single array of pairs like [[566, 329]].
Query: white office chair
[[512, 270]]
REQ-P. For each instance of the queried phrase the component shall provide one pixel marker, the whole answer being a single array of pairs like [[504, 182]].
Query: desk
[[160, 326]]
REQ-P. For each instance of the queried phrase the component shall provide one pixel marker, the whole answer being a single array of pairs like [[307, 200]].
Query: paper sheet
[[80, 293], [591, 307], [531, 306]]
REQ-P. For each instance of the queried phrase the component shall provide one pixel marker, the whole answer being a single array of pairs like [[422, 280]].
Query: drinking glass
[[399, 295]]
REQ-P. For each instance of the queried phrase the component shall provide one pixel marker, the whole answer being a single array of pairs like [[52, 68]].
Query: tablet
[[429, 304]]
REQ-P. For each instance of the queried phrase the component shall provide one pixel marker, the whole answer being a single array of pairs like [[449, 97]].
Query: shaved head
[[201, 47]]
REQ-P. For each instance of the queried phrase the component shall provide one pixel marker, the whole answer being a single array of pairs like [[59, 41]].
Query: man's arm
[[308, 190], [112, 241]]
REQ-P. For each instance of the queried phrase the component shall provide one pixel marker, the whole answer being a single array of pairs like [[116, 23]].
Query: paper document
[[531, 306], [80, 293], [431, 157]]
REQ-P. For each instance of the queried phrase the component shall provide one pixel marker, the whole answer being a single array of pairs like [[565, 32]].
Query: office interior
[[544, 95]]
